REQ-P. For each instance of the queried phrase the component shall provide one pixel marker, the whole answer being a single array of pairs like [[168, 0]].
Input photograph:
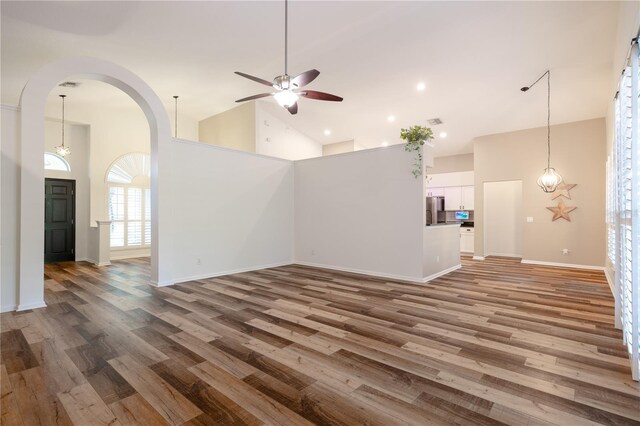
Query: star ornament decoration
[[563, 190], [561, 211]]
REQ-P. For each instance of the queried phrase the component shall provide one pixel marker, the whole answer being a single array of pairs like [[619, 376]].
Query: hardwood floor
[[494, 342]]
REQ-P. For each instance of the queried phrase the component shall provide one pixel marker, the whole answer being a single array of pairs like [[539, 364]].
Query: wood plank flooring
[[496, 342]]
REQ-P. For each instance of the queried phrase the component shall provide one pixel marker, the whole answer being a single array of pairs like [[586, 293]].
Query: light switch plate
[[529, 219]]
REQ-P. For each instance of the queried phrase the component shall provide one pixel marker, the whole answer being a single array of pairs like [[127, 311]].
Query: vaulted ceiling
[[472, 56]]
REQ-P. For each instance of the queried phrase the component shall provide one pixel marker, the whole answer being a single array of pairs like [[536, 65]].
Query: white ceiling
[[473, 57]]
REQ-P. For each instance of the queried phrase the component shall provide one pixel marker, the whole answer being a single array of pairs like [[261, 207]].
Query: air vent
[[71, 84], [434, 121]]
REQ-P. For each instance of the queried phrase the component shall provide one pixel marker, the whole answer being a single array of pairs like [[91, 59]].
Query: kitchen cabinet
[[435, 192], [453, 198], [467, 197], [458, 198], [467, 240]]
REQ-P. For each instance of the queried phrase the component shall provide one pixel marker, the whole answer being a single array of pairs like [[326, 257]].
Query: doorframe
[[485, 234], [75, 219]]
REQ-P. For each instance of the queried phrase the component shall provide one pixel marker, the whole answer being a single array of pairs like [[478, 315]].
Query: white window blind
[[625, 196], [129, 201], [130, 216], [611, 211]]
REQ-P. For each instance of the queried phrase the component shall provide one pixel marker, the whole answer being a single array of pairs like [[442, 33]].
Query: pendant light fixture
[[550, 179], [62, 150]]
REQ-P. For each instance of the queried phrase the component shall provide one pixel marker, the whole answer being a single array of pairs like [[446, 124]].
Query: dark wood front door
[[59, 220]]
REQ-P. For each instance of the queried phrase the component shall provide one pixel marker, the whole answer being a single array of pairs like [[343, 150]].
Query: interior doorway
[[59, 220], [30, 271], [503, 218]]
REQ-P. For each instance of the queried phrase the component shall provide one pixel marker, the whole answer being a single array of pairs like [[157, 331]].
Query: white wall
[[10, 209], [338, 147], [437, 180], [234, 128], [452, 163], [233, 211], [114, 132], [77, 138], [277, 139], [503, 218], [360, 211], [441, 250]]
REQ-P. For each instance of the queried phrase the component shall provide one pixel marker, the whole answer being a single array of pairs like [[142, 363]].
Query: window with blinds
[[624, 206], [129, 201], [130, 215]]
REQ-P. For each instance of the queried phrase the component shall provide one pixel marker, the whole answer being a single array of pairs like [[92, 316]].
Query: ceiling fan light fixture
[[286, 98], [285, 84]]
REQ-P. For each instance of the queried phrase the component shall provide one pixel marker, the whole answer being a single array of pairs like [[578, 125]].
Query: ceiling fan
[[289, 89]]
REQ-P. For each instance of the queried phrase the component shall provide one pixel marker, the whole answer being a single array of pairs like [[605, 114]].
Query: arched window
[[129, 203], [55, 162]]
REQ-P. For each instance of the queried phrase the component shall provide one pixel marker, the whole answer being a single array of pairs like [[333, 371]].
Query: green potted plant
[[415, 137]]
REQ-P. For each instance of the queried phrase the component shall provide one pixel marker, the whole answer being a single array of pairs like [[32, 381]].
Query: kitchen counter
[[442, 225]]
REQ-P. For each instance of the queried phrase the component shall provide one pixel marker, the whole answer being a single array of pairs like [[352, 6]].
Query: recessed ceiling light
[[421, 86], [385, 143], [391, 118], [443, 134], [327, 132]]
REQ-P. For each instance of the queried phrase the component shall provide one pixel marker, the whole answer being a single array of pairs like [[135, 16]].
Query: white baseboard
[[362, 271], [441, 273], [610, 281], [8, 308], [519, 256], [478, 257], [219, 274], [563, 265], [127, 256], [34, 305]]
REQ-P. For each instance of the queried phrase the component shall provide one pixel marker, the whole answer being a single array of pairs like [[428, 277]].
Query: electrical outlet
[[565, 251], [198, 261]]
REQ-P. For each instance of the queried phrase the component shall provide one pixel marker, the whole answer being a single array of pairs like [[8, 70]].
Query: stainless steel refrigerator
[[435, 210]]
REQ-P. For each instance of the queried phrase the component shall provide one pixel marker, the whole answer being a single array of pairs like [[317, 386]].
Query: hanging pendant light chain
[[548, 119], [286, 33], [61, 149], [550, 179], [62, 96]]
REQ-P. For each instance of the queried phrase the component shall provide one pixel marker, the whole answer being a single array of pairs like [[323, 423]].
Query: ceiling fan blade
[[250, 98], [321, 96], [256, 79], [305, 78], [293, 109]]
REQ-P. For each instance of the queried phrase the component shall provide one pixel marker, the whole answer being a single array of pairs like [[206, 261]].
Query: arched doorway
[[32, 106]]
